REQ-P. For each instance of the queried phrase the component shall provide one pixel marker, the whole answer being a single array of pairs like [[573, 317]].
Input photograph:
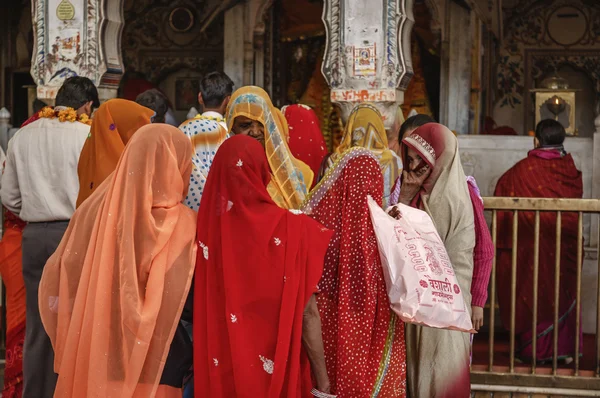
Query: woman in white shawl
[[434, 181]]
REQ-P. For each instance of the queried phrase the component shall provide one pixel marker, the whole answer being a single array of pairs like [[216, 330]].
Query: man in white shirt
[[40, 185]]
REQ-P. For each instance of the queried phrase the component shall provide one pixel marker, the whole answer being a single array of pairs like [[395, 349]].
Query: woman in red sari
[[364, 339], [306, 141], [256, 274]]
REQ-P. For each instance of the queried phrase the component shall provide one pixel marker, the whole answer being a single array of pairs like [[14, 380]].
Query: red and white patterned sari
[[364, 339]]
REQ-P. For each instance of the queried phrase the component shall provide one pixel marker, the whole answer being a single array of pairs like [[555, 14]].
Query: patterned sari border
[[387, 353], [545, 332], [333, 173]]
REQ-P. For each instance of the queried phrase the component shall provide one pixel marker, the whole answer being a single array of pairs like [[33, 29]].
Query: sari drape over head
[[438, 360], [114, 124], [306, 140], [257, 267], [545, 173], [112, 294], [291, 177], [365, 129], [206, 137], [364, 340]]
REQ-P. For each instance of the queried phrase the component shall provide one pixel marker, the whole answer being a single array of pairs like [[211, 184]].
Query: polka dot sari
[[364, 340]]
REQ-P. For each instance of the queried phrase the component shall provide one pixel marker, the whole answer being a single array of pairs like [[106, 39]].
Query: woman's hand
[[313, 344], [412, 181], [477, 317], [395, 213]]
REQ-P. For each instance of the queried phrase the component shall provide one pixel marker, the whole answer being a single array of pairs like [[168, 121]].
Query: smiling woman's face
[[249, 127]]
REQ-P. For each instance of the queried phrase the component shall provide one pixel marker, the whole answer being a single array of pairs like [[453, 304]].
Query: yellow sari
[[290, 176], [365, 129]]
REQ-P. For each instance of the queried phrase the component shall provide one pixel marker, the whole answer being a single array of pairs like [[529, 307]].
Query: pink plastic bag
[[420, 280]]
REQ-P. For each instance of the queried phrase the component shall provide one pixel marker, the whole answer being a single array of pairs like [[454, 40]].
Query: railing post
[[4, 127], [595, 182]]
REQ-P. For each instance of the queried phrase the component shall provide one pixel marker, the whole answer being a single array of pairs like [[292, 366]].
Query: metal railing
[[527, 379]]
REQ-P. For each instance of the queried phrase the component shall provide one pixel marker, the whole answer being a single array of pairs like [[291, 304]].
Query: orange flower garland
[[65, 115]]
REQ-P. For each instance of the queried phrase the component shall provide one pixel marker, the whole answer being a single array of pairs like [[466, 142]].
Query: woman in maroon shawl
[[256, 275], [547, 172], [364, 339]]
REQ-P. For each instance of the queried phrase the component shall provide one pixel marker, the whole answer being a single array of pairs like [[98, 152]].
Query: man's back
[[542, 174], [40, 181]]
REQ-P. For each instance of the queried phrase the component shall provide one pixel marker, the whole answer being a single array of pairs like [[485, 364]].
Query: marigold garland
[[65, 115]]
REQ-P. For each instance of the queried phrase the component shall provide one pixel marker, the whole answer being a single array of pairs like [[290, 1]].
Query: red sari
[[12, 276], [257, 267], [306, 140], [11, 270], [364, 339], [543, 174]]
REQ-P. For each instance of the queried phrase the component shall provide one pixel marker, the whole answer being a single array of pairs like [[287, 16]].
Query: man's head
[[155, 100], [215, 92], [549, 133], [246, 126], [413, 123], [78, 93]]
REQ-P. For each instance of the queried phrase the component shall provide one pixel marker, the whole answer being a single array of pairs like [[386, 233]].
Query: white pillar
[[77, 38], [595, 182], [455, 92], [244, 38], [234, 44], [4, 127], [368, 53]]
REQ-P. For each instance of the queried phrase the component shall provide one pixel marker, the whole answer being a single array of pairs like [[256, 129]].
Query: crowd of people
[[234, 256]]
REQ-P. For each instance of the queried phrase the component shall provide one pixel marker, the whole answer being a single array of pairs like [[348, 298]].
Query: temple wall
[[541, 38]]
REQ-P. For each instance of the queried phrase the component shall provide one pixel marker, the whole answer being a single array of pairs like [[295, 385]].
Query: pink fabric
[[483, 253], [547, 154]]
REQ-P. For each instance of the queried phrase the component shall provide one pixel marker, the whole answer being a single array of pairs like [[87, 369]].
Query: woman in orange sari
[[112, 295], [114, 124]]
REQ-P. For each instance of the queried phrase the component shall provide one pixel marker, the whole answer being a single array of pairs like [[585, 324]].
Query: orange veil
[[112, 294], [114, 124]]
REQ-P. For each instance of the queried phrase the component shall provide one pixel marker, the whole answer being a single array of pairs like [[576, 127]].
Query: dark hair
[[414, 122], [215, 87], [77, 91], [155, 100], [549, 132]]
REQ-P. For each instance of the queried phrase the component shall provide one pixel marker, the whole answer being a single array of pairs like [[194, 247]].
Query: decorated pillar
[[368, 53], [77, 38], [244, 42]]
